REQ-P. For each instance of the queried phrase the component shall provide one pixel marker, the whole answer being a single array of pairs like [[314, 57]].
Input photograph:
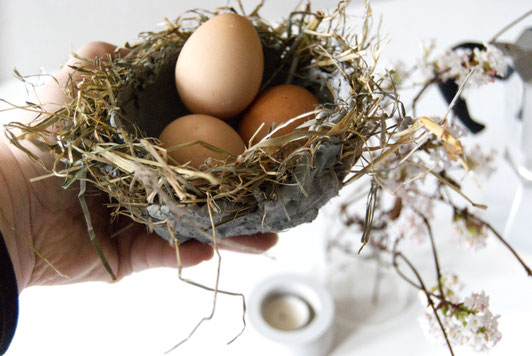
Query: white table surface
[[148, 312]]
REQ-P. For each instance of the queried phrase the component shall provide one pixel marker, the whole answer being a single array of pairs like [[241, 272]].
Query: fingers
[[53, 95], [150, 250], [154, 251], [257, 243], [139, 250], [89, 51]]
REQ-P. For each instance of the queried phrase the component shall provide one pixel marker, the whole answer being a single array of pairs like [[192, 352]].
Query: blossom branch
[[478, 220], [397, 255], [434, 254]]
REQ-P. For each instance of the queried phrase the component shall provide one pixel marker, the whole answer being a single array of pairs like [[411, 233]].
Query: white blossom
[[457, 131], [438, 156], [483, 164], [401, 176], [470, 233], [398, 73], [410, 225], [457, 64], [470, 323], [418, 202], [440, 159]]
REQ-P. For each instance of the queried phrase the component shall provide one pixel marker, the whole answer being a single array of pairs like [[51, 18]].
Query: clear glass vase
[[518, 228]]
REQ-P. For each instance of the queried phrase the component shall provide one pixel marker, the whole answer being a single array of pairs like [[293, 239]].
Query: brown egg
[[220, 67], [204, 128], [277, 105]]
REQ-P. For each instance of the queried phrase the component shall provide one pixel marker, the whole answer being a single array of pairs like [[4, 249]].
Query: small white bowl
[[315, 336]]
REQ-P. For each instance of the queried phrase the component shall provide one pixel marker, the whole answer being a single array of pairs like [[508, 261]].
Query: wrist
[[16, 240], [20, 259]]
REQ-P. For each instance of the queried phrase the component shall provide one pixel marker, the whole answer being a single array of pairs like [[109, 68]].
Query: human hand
[[42, 220]]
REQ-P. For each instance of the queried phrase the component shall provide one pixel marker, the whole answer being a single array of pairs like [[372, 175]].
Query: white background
[[147, 313]]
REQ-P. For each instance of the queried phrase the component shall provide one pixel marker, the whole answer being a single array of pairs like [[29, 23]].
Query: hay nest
[[106, 134]]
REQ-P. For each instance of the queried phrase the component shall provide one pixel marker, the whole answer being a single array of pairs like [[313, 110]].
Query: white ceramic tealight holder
[[294, 312]]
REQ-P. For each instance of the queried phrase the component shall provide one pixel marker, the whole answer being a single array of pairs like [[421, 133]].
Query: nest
[[105, 135]]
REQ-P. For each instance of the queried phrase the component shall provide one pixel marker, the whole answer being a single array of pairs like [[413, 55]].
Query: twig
[[465, 213], [511, 24], [427, 294], [446, 182], [420, 93], [458, 94], [434, 253]]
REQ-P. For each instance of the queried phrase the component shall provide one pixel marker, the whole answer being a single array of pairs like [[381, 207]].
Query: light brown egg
[[277, 105], [220, 67], [203, 128]]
